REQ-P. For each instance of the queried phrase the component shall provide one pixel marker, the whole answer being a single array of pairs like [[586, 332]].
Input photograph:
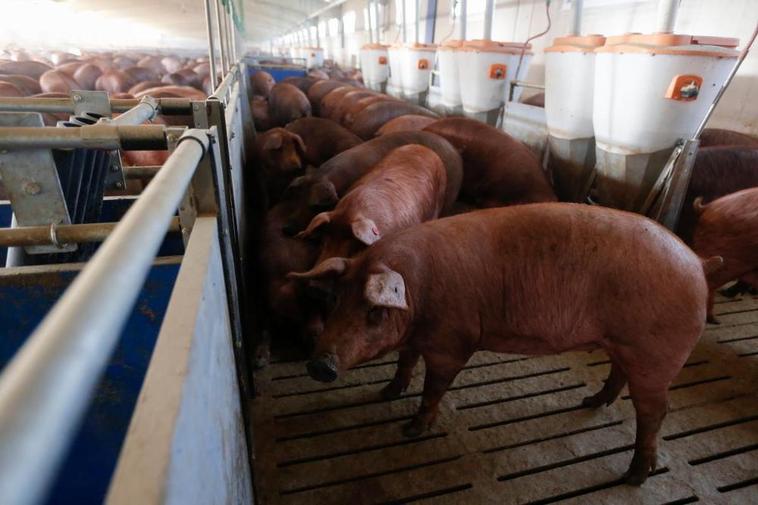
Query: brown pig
[[321, 188], [718, 137], [497, 169], [259, 110], [33, 69], [369, 120], [319, 90], [285, 311], [530, 279], [114, 81], [56, 81], [718, 171], [26, 84], [410, 122], [138, 88], [280, 156], [348, 101], [141, 74], [728, 227], [8, 89], [287, 103], [301, 83], [348, 118], [262, 82], [323, 139], [406, 188], [87, 75], [331, 100]]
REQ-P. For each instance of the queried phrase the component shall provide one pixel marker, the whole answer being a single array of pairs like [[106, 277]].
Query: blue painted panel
[[112, 211], [89, 465], [280, 73]]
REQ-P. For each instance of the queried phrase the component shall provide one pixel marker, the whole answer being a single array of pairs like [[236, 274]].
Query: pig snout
[[323, 368]]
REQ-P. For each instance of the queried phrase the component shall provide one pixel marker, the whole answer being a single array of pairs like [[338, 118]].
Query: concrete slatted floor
[[510, 431]]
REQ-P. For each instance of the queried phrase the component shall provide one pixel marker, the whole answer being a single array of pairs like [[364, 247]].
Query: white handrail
[[46, 388]]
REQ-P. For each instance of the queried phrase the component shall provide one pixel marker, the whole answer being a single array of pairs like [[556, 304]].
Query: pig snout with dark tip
[[323, 368]]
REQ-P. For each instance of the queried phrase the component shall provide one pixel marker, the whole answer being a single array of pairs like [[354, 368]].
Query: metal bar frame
[[45, 389], [166, 106], [211, 43], [100, 136], [221, 37]]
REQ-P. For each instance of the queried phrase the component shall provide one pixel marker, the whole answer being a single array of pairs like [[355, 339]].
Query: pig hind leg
[[405, 365], [440, 373], [613, 385], [650, 403]]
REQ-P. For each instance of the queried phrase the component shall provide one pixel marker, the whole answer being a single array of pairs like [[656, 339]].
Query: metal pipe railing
[[24, 236], [46, 388], [145, 111], [211, 43], [462, 21], [167, 106], [98, 136], [221, 37], [666, 17]]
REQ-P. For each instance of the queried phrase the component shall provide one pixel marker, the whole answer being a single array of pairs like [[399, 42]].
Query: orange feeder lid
[[418, 46], [375, 46], [671, 43], [450, 45], [491, 46], [576, 43]]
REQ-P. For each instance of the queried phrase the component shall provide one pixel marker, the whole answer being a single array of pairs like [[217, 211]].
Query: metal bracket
[[91, 101], [31, 180]]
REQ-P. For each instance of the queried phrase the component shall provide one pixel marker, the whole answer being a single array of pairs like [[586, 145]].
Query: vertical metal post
[[232, 35], [211, 45], [404, 31], [462, 21], [317, 24], [341, 28], [378, 37], [369, 29], [221, 43], [667, 11], [488, 15], [416, 24], [576, 20], [431, 21]]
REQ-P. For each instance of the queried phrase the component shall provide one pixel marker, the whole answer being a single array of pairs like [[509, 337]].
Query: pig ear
[[324, 196], [318, 222], [299, 143], [273, 141], [332, 267], [365, 230], [386, 289]]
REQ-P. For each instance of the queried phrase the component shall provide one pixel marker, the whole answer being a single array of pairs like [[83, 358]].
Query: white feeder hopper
[[485, 70], [375, 66], [449, 82], [650, 91], [395, 81], [417, 60], [569, 84], [314, 57]]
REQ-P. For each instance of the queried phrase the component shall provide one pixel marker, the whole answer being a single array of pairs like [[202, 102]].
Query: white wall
[[516, 20]]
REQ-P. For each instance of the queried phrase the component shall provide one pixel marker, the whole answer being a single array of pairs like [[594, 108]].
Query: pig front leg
[[405, 365], [440, 373]]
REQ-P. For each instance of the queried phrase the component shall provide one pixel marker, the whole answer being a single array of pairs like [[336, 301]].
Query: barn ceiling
[[186, 18]]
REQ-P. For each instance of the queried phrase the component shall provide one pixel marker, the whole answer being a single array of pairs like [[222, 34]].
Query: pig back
[[369, 120], [347, 167], [497, 169], [287, 103], [323, 138], [717, 171], [555, 276]]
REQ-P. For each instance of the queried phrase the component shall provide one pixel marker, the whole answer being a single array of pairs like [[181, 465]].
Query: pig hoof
[[635, 478], [712, 320], [413, 429], [595, 401], [391, 391]]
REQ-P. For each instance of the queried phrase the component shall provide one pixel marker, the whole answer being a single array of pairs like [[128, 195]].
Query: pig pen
[[511, 430]]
